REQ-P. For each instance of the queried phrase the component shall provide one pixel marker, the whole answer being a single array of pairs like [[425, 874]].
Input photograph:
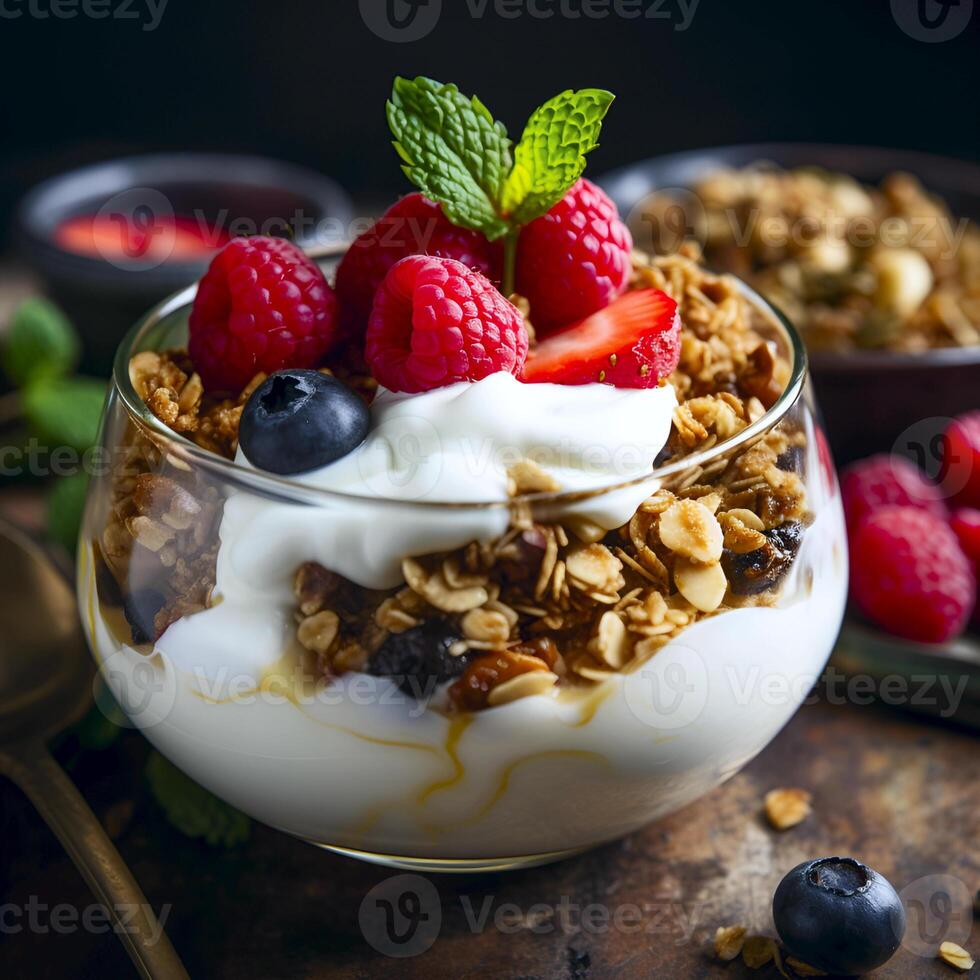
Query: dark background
[[305, 80]]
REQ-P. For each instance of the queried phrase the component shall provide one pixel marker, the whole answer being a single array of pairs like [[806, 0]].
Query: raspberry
[[965, 523], [436, 322], [961, 459], [575, 259], [882, 480], [261, 306], [412, 226], [909, 575]]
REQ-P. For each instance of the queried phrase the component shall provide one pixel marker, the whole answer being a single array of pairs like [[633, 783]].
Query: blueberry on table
[[838, 915], [297, 421], [420, 658]]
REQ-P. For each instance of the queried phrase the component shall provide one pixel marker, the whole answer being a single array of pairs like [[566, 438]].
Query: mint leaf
[[41, 342], [191, 808], [64, 411], [95, 731], [551, 154], [453, 151], [65, 504]]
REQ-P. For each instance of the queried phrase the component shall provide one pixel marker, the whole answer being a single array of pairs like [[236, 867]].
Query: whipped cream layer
[[453, 444]]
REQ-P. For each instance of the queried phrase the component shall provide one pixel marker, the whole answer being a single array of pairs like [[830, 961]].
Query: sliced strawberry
[[633, 343]]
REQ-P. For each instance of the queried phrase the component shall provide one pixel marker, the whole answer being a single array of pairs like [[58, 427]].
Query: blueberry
[[791, 459], [420, 658], [140, 609], [297, 421], [838, 915], [762, 569]]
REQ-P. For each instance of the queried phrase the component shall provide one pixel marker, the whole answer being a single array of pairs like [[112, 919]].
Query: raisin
[[419, 658], [791, 460], [762, 569]]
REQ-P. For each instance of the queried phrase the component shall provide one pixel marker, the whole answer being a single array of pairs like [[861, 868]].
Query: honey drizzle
[[457, 725]]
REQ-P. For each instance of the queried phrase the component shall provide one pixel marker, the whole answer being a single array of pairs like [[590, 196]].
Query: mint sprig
[[551, 154], [452, 150], [457, 154], [41, 343], [191, 808]]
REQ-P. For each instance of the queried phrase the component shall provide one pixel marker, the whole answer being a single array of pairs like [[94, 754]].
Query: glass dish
[[353, 763]]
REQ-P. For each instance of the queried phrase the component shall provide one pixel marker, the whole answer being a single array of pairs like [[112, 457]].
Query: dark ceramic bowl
[[103, 293], [872, 400]]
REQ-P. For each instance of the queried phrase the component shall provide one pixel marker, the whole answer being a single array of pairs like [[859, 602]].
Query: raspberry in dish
[[575, 259], [632, 343], [909, 575], [961, 459], [436, 321], [887, 480], [413, 225], [965, 523], [261, 306]]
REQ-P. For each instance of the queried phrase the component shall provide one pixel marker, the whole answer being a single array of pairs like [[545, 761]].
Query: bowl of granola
[[873, 254], [453, 592]]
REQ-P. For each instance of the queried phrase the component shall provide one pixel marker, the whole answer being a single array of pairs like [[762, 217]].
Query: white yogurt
[[358, 765], [452, 444]]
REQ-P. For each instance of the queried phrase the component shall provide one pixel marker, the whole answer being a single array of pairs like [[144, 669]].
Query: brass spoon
[[45, 685]]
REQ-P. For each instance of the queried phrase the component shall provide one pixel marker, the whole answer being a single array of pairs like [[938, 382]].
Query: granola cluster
[[852, 266], [546, 604]]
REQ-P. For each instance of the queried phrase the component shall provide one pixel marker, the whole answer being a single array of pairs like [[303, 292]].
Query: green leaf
[[551, 154], [191, 808], [96, 731], [41, 342], [64, 411], [65, 505], [452, 150]]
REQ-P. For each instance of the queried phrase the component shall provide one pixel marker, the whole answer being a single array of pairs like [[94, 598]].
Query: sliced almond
[[594, 567], [318, 632], [689, 528], [748, 517], [729, 941], [528, 477], [758, 951], [436, 591], [522, 686], [486, 625], [703, 586], [956, 956], [611, 644], [786, 808]]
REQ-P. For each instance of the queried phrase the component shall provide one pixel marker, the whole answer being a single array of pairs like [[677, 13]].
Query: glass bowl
[[350, 761]]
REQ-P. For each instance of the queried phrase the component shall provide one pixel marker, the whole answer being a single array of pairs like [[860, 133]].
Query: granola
[[546, 604], [852, 266]]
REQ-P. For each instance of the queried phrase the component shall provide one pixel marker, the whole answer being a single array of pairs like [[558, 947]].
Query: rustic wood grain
[[897, 792]]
